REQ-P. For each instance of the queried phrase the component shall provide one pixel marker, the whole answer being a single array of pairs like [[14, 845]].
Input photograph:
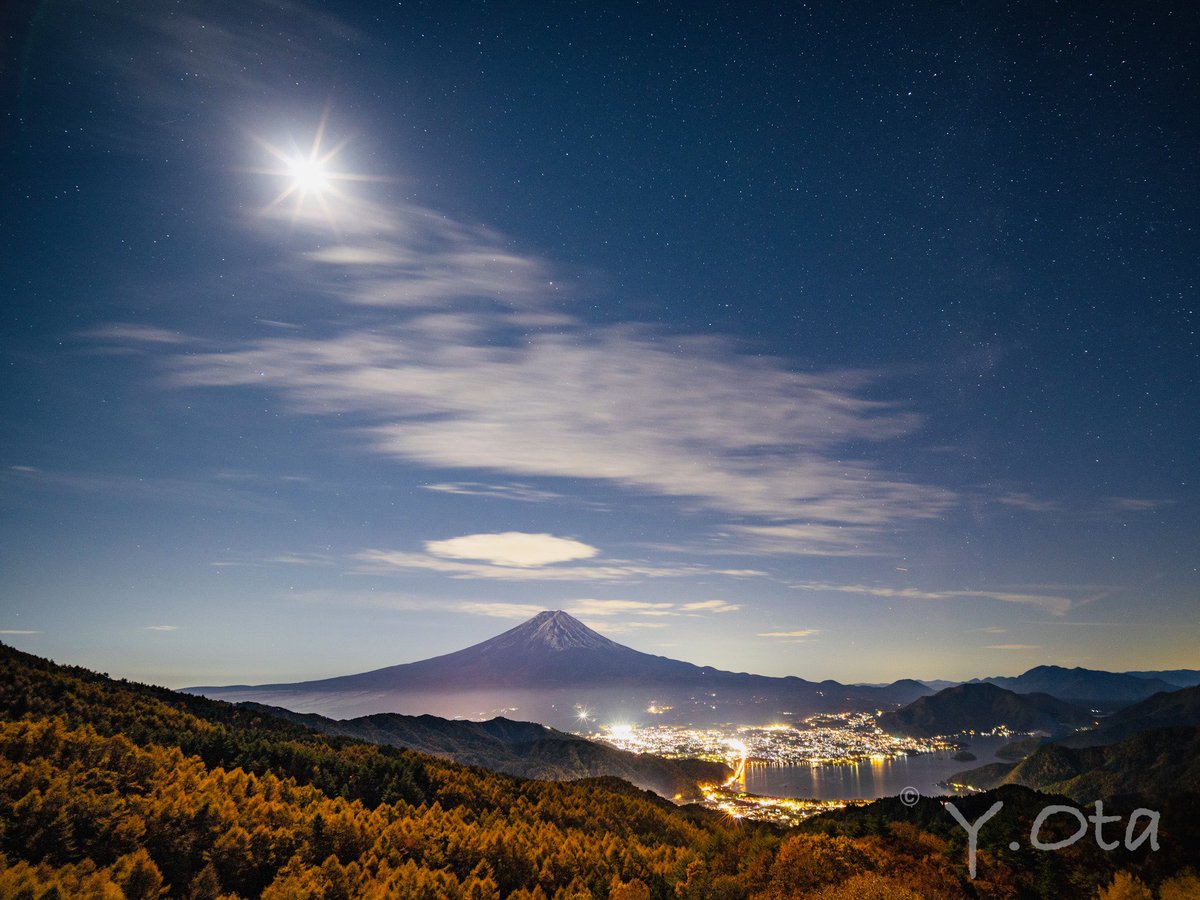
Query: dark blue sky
[[855, 341]]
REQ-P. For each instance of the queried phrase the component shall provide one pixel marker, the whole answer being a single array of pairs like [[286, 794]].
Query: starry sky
[[849, 340]]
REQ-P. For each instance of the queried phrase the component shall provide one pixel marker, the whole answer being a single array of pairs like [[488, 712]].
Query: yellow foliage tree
[[1125, 886]]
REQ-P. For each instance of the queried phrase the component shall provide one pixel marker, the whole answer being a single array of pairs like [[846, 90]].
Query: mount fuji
[[554, 669]]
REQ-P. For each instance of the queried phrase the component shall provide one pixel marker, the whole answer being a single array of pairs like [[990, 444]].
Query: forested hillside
[[111, 789], [1156, 764], [519, 748]]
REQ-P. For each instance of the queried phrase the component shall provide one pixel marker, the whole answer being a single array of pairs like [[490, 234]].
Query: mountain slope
[[980, 708], [906, 690], [551, 649], [1168, 709], [524, 749], [118, 789], [1154, 764], [548, 667]]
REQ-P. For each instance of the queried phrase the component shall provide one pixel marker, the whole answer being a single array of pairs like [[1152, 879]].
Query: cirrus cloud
[[797, 633], [1013, 647], [1055, 604], [388, 561], [462, 359], [520, 492], [499, 610], [620, 607]]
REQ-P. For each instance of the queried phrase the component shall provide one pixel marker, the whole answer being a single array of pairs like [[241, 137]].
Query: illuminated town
[[827, 739]]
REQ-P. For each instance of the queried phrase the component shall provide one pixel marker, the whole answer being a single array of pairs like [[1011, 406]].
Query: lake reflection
[[869, 778]]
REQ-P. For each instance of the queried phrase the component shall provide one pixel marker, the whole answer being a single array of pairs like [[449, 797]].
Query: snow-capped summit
[[555, 630]]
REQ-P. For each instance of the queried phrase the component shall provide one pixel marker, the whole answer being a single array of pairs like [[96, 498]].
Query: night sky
[[853, 340]]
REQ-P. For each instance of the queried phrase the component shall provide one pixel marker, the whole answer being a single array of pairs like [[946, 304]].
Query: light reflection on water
[[869, 778]]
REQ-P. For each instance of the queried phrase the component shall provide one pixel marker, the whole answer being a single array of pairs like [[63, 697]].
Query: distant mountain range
[[1176, 677], [524, 749], [552, 668], [1085, 687], [981, 707], [1093, 688]]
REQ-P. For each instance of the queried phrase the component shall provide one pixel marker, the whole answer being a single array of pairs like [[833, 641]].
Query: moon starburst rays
[[310, 179]]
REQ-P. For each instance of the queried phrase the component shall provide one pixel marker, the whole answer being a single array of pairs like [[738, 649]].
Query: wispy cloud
[[1078, 623], [403, 602], [625, 406], [377, 561], [1055, 604], [130, 333], [460, 356], [278, 559], [211, 60], [200, 491], [17, 631], [598, 614], [499, 610], [807, 539], [1013, 647], [520, 492], [162, 628], [595, 608], [608, 626], [436, 260], [365, 598], [1028, 502], [497, 381], [1132, 504], [713, 606], [590, 608], [608, 616], [797, 633]]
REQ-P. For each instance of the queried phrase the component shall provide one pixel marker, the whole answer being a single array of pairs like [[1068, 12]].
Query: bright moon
[[309, 178], [308, 174]]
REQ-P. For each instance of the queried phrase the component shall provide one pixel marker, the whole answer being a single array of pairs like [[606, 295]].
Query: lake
[[867, 779]]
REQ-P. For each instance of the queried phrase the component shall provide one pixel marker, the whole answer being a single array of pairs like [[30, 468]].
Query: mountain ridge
[[135, 790], [1087, 687], [552, 664], [1168, 709], [1154, 763], [524, 749], [981, 707], [535, 646]]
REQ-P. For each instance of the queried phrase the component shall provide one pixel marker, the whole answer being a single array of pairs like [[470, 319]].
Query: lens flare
[[310, 180]]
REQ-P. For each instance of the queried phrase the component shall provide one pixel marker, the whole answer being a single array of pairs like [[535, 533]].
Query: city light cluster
[[786, 811], [823, 739], [826, 739]]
